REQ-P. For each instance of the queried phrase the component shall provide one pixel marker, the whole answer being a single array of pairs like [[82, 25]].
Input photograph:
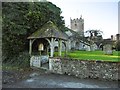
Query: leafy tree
[[14, 28], [94, 33], [21, 19], [95, 36]]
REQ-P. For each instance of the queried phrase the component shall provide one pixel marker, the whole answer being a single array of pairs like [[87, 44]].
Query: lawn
[[93, 55]]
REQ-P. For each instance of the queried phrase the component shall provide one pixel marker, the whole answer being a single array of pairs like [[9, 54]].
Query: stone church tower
[[77, 25]]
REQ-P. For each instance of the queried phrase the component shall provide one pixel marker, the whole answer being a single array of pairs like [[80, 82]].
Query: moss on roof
[[47, 31]]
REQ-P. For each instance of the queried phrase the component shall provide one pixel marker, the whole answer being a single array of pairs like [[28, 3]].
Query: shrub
[[22, 60]]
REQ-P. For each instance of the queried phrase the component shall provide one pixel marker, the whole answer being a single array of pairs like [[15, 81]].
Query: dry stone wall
[[86, 69]]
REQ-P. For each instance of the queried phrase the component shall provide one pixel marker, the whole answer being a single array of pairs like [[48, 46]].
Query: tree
[[94, 33], [95, 36], [13, 28], [21, 19]]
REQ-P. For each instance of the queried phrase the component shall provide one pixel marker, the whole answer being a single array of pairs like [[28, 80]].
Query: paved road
[[47, 80]]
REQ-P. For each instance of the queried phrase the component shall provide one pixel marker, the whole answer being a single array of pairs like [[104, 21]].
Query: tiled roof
[[47, 31]]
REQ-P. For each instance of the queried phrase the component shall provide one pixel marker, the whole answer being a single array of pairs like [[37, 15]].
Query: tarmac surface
[[45, 79]]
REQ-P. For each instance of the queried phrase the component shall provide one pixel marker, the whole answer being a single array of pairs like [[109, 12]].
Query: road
[[46, 79]]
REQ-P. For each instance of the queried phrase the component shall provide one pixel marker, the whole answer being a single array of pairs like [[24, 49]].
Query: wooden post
[[30, 47], [65, 49], [60, 46], [52, 47], [40, 52], [52, 42], [49, 44], [47, 50]]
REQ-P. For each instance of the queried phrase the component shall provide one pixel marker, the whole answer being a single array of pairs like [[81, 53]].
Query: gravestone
[[94, 47], [107, 49], [87, 48]]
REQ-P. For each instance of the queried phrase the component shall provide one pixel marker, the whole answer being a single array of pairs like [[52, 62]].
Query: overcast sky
[[97, 14]]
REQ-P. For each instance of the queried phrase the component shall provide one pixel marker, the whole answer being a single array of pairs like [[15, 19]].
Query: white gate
[[38, 61]]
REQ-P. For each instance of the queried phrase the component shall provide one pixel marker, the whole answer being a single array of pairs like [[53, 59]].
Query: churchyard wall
[[85, 68]]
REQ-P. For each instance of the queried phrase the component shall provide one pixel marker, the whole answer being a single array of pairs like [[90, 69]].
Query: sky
[[97, 14]]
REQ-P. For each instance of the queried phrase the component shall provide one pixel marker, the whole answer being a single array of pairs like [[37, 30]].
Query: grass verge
[[93, 55]]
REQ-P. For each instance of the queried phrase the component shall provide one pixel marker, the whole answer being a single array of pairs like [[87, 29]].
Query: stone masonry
[[86, 69], [77, 25]]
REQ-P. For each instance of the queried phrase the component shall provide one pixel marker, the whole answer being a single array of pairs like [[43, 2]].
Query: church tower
[[77, 25]]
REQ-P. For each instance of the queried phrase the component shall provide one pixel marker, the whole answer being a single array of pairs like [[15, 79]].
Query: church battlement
[[77, 25], [77, 20]]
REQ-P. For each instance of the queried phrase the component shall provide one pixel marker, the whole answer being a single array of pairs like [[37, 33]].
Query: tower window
[[75, 24]]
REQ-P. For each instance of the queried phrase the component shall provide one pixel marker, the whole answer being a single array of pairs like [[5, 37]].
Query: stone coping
[[101, 61]]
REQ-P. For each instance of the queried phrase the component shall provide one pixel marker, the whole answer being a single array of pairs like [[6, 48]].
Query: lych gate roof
[[47, 31]]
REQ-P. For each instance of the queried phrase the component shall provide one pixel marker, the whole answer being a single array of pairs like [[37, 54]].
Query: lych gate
[[44, 39]]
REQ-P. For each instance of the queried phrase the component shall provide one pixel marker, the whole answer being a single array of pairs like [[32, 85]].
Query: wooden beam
[[48, 40], [47, 50], [33, 40]]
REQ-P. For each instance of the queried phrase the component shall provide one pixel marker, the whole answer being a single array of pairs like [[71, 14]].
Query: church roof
[[76, 36], [47, 31], [107, 41], [70, 32]]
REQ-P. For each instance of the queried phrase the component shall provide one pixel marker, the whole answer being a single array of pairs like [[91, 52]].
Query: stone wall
[[85, 69], [55, 65]]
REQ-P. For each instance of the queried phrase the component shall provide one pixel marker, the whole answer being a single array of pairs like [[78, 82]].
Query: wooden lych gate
[[43, 41]]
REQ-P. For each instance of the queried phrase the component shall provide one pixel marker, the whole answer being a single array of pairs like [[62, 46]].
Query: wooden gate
[[40, 61]]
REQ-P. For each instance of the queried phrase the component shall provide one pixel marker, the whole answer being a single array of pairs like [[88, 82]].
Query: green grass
[[93, 55]]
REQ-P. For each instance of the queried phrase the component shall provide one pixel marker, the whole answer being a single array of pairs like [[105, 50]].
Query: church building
[[77, 25], [77, 40]]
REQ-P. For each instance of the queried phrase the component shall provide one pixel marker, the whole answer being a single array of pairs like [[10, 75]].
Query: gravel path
[[45, 79]]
